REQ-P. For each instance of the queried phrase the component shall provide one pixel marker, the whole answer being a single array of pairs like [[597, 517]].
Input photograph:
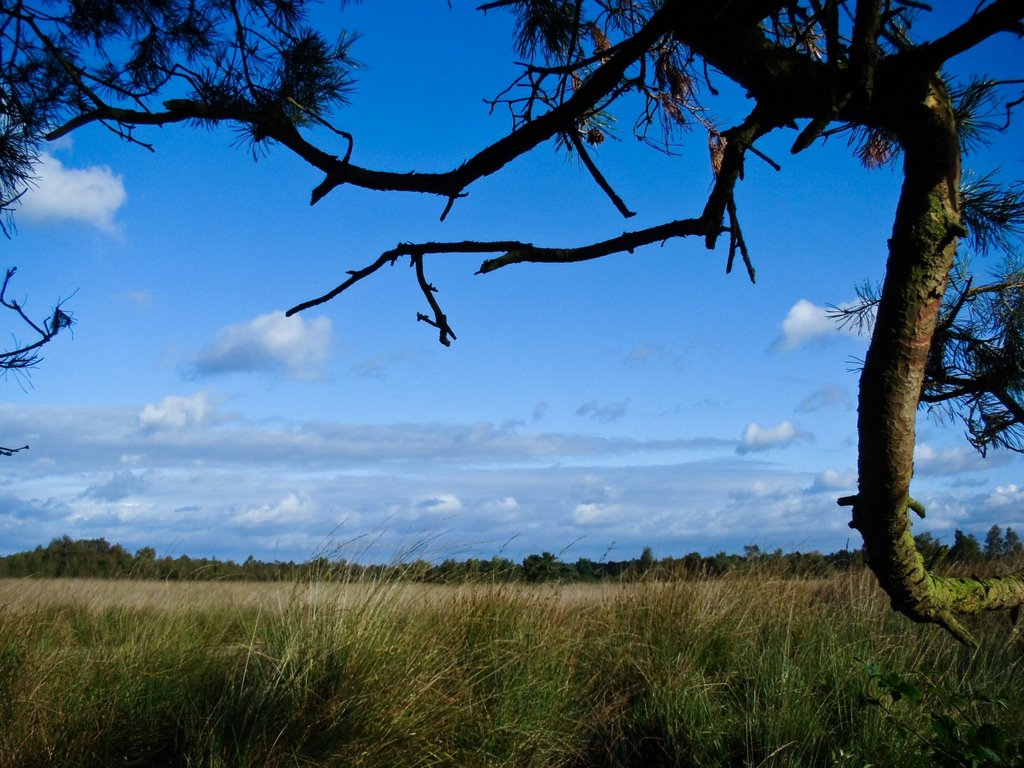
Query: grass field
[[742, 671]]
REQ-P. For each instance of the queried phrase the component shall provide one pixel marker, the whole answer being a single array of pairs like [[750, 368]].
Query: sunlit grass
[[726, 672]]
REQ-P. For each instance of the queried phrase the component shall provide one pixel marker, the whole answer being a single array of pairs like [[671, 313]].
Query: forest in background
[[65, 557]]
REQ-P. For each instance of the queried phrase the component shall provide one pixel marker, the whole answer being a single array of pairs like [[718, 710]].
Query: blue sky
[[593, 410]]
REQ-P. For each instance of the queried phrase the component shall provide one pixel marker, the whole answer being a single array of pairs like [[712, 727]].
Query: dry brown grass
[[19, 595]]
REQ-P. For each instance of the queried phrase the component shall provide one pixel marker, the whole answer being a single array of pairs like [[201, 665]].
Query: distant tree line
[[998, 546], [65, 557]]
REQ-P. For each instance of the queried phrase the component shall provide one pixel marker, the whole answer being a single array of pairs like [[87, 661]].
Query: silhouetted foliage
[[65, 557], [965, 549]]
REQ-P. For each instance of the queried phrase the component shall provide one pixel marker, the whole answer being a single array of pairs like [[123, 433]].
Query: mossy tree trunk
[[917, 108]]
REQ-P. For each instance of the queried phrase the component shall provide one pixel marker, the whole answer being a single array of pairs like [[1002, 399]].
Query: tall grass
[[743, 671]]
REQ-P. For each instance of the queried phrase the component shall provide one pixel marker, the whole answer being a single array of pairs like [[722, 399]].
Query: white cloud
[[833, 480], [506, 504], [181, 431], [88, 195], [590, 513], [806, 323], [758, 438], [1005, 496], [176, 412], [292, 509], [202, 481], [948, 461], [765, 489], [270, 343], [442, 503], [1008, 497]]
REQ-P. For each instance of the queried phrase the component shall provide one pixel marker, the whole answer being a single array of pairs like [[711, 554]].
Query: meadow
[[743, 670]]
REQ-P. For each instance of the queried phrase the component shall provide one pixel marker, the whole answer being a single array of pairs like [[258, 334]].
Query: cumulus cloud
[[271, 343], [120, 486], [208, 482], [90, 195], [1009, 497], [833, 480], [947, 461], [26, 523], [231, 486], [808, 323], [765, 490], [757, 438], [176, 412], [505, 504], [592, 512], [603, 412], [291, 509], [31, 510], [442, 503]]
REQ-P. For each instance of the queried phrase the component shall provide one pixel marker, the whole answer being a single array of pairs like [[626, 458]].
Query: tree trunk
[[921, 253]]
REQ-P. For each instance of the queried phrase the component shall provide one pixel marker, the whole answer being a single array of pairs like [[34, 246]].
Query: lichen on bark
[[921, 254]]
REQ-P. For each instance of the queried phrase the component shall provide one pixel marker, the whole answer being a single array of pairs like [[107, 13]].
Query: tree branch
[[523, 139], [439, 321], [25, 356], [602, 182], [626, 242], [737, 244], [413, 250], [513, 252], [867, 26], [1000, 16], [450, 184], [728, 170]]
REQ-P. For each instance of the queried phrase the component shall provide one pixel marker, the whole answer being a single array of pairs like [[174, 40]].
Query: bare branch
[[25, 356], [439, 321], [624, 243], [602, 182], [867, 26], [513, 252], [738, 244], [1000, 16], [729, 170], [391, 256]]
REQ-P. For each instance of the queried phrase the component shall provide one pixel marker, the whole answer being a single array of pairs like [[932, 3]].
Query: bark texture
[[917, 108]]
